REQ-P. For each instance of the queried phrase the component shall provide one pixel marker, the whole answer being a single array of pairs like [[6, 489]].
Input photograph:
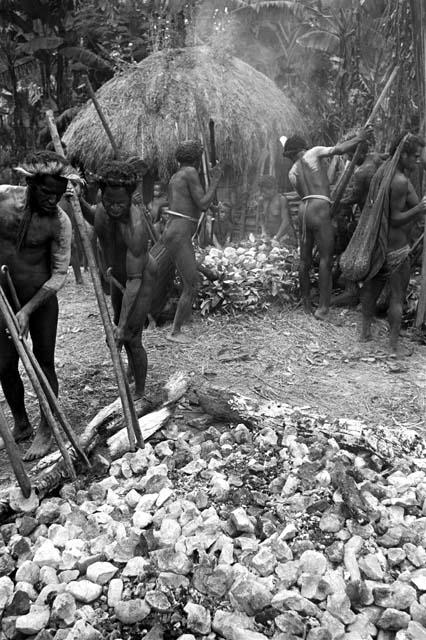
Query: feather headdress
[[45, 163]]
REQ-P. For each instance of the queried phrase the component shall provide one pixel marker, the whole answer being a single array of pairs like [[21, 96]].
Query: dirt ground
[[282, 354]]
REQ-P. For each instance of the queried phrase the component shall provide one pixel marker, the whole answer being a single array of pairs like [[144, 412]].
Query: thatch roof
[[152, 106]]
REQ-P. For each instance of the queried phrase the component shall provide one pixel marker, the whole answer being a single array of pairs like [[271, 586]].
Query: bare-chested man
[[404, 209], [121, 229], [186, 199], [275, 221], [309, 177], [35, 244]]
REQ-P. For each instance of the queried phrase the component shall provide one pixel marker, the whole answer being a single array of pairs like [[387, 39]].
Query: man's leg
[[12, 386], [325, 243], [187, 268], [43, 326], [398, 282], [306, 250], [75, 263], [369, 295], [136, 354]]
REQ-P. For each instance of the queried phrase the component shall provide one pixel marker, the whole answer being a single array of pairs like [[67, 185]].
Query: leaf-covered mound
[[252, 276]]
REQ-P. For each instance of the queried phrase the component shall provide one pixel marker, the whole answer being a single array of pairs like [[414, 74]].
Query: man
[[121, 229], [309, 177], [222, 225], [275, 220], [35, 244], [186, 199], [398, 209], [348, 215]]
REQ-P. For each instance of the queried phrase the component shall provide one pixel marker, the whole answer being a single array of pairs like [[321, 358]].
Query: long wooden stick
[[101, 116], [47, 389], [421, 306], [20, 345], [14, 456], [132, 424], [343, 182]]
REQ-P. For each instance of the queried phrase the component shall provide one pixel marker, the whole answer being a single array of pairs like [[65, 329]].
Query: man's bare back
[[187, 200]]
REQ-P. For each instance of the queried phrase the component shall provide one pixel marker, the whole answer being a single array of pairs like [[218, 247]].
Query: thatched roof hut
[[160, 101]]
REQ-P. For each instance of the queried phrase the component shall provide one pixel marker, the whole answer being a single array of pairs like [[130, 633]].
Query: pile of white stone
[[153, 546]]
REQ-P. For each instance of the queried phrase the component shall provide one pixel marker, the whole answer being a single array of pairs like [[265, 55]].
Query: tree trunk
[[18, 125]]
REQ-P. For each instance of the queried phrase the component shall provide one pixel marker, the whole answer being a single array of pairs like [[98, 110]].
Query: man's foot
[[40, 446], [321, 314], [22, 431], [344, 300], [399, 350], [179, 338], [307, 307]]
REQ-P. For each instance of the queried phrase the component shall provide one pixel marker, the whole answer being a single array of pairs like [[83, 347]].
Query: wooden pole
[[14, 456], [102, 117], [343, 182], [20, 345], [132, 424], [421, 307], [45, 385]]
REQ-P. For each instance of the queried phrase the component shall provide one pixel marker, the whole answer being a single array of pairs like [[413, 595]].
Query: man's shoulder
[[399, 182], [186, 172]]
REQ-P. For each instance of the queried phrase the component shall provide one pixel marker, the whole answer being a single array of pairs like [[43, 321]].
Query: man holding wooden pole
[[379, 250], [186, 199], [35, 245], [123, 235], [309, 177]]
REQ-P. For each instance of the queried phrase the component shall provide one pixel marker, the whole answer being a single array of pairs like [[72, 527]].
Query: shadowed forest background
[[330, 57]]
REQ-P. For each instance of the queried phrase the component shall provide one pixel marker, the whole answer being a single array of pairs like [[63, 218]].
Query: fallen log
[[49, 473]]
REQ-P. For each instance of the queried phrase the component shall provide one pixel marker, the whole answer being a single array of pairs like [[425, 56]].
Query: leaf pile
[[252, 276]]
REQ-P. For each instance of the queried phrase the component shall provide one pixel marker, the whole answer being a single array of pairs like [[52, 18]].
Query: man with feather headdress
[[35, 245]]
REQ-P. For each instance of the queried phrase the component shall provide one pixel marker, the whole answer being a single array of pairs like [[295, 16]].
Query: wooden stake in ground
[[14, 456], [21, 349], [44, 383], [132, 425]]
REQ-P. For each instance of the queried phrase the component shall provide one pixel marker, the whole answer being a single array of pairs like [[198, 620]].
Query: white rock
[[132, 498], [241, 521], [28, 572], [84, 590], [199, 618], [313, 562], [163, 496], [101, 572], [132, 611], [141, 519], [115, 592], [136, 567], [59, 535], [168, 533], [47, 555], [6, 591], [64, 609], [18, 503], [48, 575], [83, 630], [49, 592], [34, 621]]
